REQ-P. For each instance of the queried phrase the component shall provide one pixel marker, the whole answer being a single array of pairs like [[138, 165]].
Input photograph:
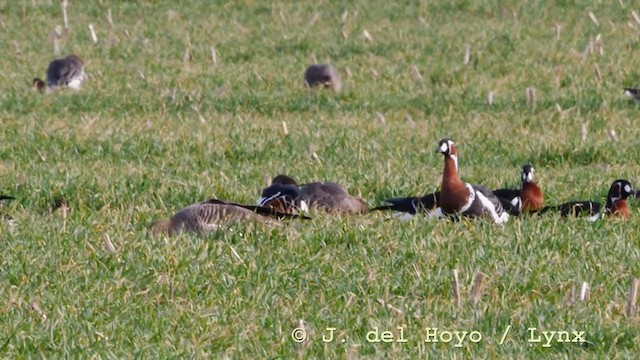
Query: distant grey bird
[[67, 72], [212, 215], [287, 196], [323, 75]]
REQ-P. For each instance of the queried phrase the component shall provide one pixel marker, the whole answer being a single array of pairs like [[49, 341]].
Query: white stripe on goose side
[[490, 206], [470, 199]]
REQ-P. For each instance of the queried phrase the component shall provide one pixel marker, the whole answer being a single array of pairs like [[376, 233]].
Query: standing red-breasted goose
[[616, 205], [528, 198], [460, 198]]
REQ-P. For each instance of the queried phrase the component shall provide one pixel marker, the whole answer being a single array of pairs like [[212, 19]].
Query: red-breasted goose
[[616, 205], [460, 198], [526, 199]]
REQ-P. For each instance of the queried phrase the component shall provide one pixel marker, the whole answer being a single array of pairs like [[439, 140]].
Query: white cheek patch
[[627, 188], [444, 147]]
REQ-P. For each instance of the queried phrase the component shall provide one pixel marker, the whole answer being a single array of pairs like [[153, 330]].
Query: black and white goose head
[[527, 174], [283, 197], [620, 190], [616, 205], [447, 147]]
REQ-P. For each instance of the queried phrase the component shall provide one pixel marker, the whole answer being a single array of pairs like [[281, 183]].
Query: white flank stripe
[[489, 207], [470, 199]]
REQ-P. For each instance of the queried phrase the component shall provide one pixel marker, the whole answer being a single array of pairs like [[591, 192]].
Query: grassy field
[[154, 130]]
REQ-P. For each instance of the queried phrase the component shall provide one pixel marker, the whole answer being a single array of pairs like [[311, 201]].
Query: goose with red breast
[[616, 205], [528, 198], [460, 198]]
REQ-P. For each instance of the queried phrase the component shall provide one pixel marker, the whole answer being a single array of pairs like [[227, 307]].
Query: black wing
[[574, 208], [6, 197], [412, 205], [262, 210], [510, 199], [507, 193]]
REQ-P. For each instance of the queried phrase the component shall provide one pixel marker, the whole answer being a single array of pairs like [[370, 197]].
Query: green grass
[[124, 155]]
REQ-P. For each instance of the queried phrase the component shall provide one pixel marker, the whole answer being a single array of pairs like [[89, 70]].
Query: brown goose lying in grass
[[213, 215]]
